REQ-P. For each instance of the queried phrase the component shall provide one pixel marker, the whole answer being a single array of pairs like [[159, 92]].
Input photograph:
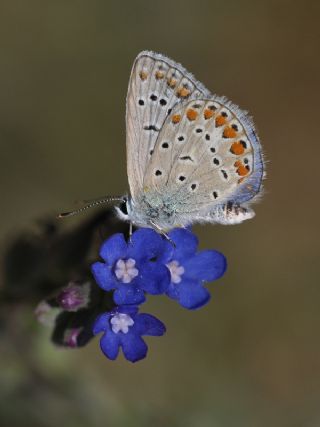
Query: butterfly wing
[[207, 154], [156, 84]]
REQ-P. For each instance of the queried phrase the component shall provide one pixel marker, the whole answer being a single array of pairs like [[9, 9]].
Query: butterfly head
[[124, 208]]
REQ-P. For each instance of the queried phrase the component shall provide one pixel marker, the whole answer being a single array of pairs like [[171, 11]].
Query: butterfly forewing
[[204, 155], [156, 85]]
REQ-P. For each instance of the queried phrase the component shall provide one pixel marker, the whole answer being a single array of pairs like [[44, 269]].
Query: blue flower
[[124, 327], [132, 268], [189, 270]]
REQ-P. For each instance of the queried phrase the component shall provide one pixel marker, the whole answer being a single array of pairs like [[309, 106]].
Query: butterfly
[[192, 156]]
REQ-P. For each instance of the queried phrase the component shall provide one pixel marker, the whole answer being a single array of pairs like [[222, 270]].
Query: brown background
[[252, 356]]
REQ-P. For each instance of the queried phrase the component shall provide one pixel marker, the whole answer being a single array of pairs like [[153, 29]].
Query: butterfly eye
[[123, 208]]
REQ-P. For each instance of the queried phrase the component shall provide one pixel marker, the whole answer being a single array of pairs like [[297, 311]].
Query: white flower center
[[176, 271], [120, 323], [125, 270]]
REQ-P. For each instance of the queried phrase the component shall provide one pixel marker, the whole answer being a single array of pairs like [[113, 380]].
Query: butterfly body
[[192, 156], [165, 211], [168, 213]]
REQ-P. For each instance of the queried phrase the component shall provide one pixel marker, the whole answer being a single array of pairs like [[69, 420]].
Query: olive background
[[252, 356]]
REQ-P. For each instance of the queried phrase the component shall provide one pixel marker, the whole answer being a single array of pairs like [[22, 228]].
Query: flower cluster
[[149, 264]]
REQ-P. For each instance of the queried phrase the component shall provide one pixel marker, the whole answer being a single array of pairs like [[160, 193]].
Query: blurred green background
[[252, 356]]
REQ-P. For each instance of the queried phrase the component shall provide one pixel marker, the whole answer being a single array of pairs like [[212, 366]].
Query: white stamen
[[120, 323], [176, 271], [125, 270]]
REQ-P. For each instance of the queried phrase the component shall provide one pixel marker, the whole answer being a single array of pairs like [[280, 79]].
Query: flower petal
[[133, 346], [128, 294], [101, 323], [192, 294], [173, 291], [186, 243], [206, 265], [145, 244], [167, 252], [132, 310], [110, 344], [154, 278], [103, 276], [114, 248], [146, 324]]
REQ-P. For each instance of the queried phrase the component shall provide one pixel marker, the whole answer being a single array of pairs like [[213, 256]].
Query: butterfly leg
[[130, 230], [163, 233]]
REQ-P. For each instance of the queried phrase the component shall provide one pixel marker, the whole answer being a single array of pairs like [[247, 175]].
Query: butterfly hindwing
[[156, 85], [206, 154]]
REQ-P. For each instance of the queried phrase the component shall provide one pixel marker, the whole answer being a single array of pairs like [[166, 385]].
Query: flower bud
[[74, 297], [46, 313], [71, 337]]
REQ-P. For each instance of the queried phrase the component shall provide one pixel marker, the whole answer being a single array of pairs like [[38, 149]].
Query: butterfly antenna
[[91, 204]]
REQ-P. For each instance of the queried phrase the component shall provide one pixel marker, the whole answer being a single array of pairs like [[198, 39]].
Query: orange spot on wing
[[176, 118], [241, 179], [220, 120], [171, 82], [159, 75], [183, 92], [237, 148], [241, 169], [229, 132], [143, 75], [208, 114], [192, 114]]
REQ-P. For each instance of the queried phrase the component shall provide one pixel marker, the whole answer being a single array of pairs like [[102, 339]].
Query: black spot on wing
[[186, 158], [151, 127]]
